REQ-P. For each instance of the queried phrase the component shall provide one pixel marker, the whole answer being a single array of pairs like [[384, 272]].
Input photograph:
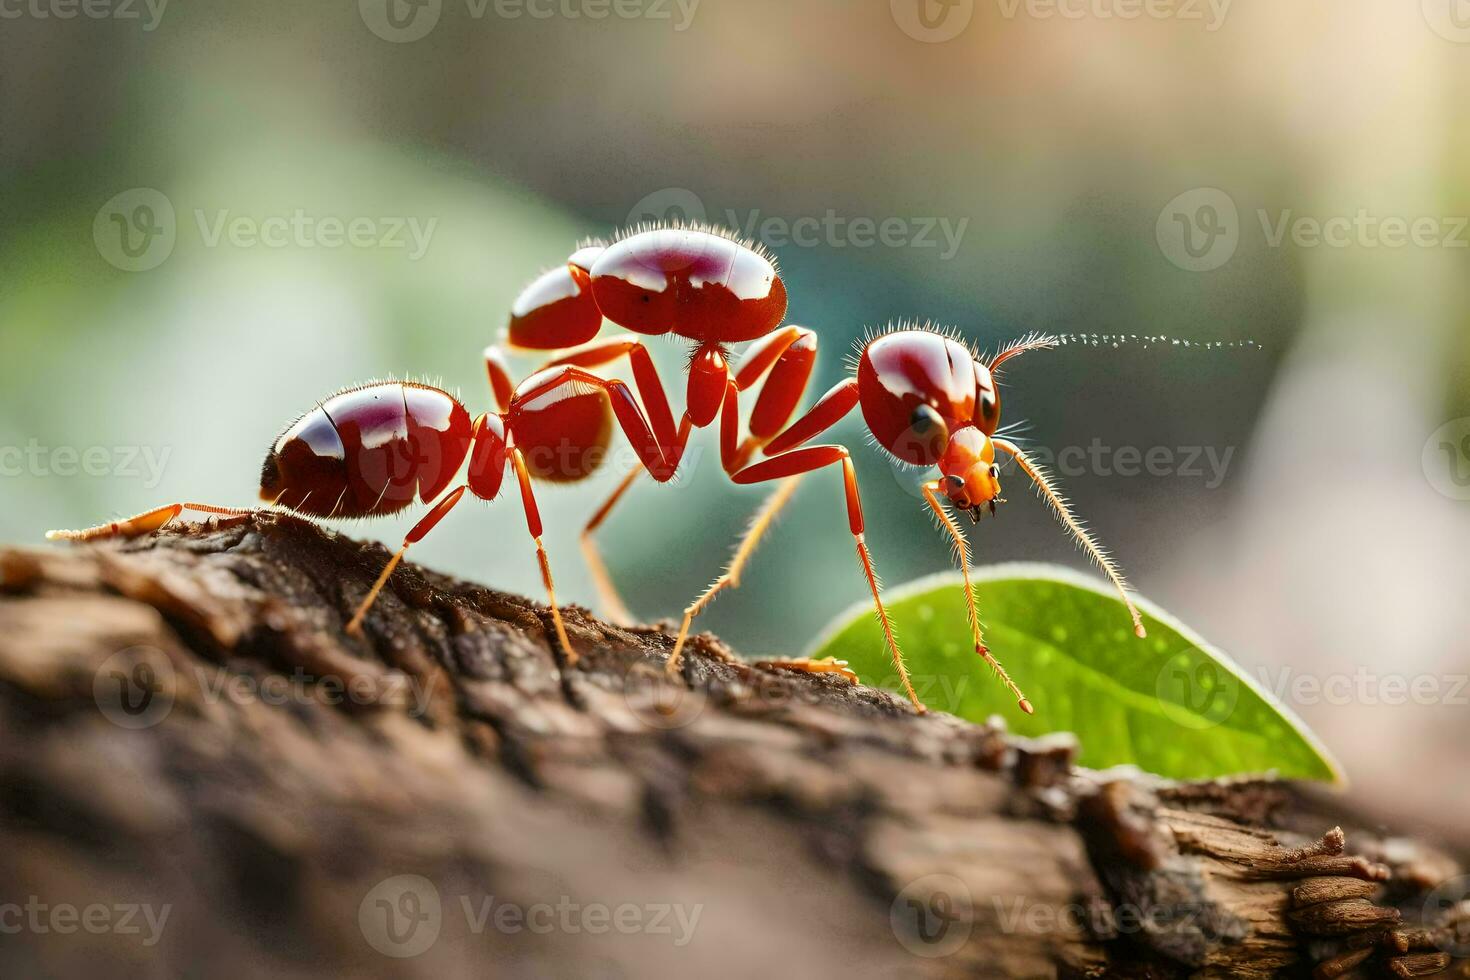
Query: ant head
[[968, 474]]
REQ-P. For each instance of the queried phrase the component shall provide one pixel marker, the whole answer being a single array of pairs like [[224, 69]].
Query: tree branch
[[189, 734]]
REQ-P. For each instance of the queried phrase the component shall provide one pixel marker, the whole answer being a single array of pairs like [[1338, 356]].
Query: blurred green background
[[1067, 155]]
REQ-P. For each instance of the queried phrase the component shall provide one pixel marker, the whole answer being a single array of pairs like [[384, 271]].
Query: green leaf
[[1171, 704]]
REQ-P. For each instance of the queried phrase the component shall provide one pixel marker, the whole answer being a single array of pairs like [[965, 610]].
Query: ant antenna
[[1117, 340]]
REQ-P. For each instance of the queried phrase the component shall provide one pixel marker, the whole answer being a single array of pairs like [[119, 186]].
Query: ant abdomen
[[368, 451], [693, 283]]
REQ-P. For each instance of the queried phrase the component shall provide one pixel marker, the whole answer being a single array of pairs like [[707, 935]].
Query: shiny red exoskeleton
[[377, 449], [700, 285]]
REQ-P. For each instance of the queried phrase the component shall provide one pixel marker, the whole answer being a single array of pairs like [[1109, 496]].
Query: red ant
[[930, 401], [371, 451], [926, 399]]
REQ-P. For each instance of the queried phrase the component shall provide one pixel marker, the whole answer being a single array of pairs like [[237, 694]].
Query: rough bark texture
[[188, 732]]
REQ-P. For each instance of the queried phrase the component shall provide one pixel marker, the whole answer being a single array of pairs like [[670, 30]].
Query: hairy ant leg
[[962, 558], [810, 458], [414, 536], [533, 525], [144, 523], [1085, 540], [828, 410], [788, 355]]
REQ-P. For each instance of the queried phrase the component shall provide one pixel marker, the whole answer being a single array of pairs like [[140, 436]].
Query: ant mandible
[[372, 451]]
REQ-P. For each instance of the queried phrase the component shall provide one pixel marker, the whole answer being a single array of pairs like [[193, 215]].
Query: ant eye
[[955, 482], [925, 419], [930, 429], [989, 411], [994, 472]]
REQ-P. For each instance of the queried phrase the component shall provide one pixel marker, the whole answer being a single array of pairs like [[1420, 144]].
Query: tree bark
[[202, 775]]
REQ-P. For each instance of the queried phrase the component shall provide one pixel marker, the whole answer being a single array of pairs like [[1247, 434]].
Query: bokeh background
[[1102, 167]]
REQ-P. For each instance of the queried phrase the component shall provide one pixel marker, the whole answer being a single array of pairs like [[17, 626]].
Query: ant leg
[[659, 458], [815, 457], [533, 524], [789, 355], [830, 409], [731, 576], [501, 382], [1084, 537], [661, 421], [145, 523], [826, 665], [414, 536], [962, 556], [607, 592], [645, 378]]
